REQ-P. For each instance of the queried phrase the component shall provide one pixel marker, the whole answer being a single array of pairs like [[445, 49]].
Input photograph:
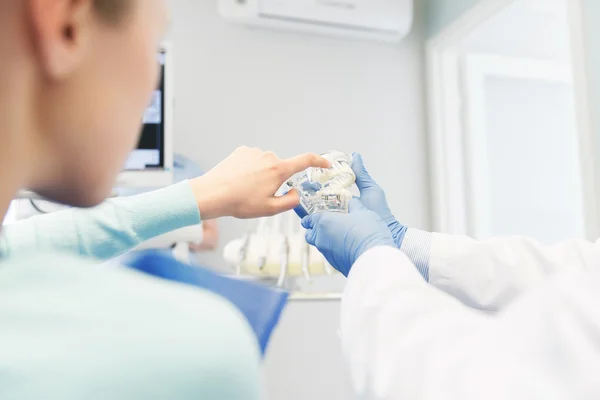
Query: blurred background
[[476, 116], [294, 92]]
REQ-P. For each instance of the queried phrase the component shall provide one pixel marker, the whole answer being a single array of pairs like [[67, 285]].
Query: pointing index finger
[[300, 163]]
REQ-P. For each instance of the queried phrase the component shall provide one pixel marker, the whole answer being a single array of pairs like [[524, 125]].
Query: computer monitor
[[151, 163]]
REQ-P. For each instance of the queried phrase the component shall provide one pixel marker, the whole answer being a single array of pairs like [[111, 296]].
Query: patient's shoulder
[[123, 333]]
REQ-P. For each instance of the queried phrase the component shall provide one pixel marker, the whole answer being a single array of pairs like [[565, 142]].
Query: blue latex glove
[[373, 197], [342, 238]]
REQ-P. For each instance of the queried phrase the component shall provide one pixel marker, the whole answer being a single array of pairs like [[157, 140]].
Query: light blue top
[[73, 329], [183, 169], [114, 227], [106, 231]]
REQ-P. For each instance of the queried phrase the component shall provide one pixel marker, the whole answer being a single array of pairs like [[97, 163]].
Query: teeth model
[[326, 189]]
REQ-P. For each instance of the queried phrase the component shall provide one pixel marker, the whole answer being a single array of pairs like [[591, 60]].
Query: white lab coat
[[407, 339]]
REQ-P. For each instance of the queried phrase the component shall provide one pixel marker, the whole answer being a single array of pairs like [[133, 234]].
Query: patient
[[75, 78]]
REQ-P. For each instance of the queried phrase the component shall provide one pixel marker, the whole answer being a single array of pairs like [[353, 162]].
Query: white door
[[510, 134], [523, 169]]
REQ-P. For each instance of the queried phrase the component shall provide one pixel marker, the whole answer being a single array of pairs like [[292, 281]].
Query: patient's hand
[[244, 184]]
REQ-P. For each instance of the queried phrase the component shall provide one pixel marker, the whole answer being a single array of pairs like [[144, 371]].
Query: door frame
[[449, 186]]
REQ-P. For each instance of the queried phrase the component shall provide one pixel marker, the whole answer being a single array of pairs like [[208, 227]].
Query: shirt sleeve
[[106, 231], [417, 246]]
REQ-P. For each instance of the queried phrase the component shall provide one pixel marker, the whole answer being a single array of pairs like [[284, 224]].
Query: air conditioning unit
[[388, 20]]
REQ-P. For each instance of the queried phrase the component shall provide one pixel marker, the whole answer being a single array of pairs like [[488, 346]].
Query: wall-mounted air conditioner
[[388, 20]]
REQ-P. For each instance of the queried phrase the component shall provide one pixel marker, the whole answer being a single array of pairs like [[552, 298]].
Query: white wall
[[293, 93], [591, 25], [543, 22], [526, 28], [441, 13]]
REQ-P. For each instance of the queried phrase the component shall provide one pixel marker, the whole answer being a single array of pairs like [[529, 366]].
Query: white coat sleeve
[[405, 339], [488, 274]]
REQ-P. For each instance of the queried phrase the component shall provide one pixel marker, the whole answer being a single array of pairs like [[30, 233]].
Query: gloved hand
[[342, 238], [373, 197]]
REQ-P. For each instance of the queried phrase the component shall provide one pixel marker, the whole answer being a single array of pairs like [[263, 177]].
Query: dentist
[[433, 316]]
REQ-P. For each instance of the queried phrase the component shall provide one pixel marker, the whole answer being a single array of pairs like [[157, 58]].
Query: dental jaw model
[[326, 189], [276, 248]]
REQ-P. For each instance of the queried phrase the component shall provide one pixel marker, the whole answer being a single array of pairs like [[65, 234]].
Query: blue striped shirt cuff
[[417, 246]]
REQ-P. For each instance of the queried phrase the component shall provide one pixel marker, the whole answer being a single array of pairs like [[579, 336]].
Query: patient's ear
[[61, 31]]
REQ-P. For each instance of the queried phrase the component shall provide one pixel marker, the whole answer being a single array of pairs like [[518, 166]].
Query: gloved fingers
[[354, 198], [310, 237], [356, 205], [363, 179], [311, 221]]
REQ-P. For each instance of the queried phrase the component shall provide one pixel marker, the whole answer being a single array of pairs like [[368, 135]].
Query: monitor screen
[[150, 151]]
